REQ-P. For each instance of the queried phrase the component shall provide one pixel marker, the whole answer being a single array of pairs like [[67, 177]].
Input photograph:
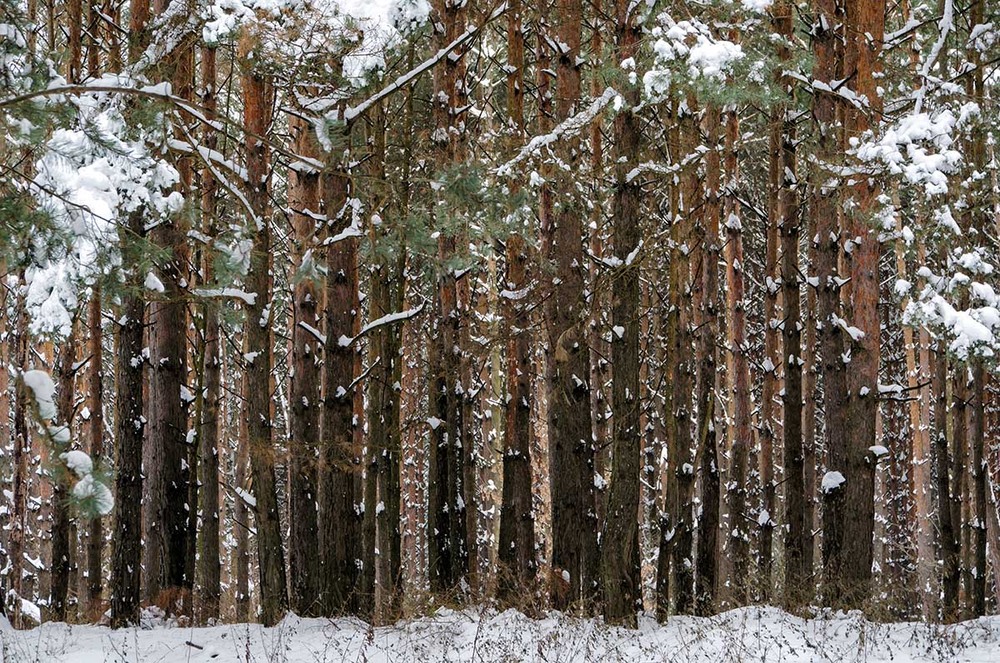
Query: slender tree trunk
[[130, 426], [771, 376], [574, 524], [600, 348], [339, 521], [516, 546], [384, 431], [960, 397], [947, 532], [95, 425], [741, 434], [824, 206], [257, 95], [671, 498], [620, 571], [682, 543], [241, 512], [304, 388], [208, 571], [453, 510], [19, 461], [863, 29], [708, 453], [61, 517], [166, 452], [797, 539], [978, 433]]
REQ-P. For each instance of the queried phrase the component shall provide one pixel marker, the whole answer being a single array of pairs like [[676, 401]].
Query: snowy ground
[[752, 634]]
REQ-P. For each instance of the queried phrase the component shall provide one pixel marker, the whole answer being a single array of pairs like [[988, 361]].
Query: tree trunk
[[863, 30], [95, 425], [208, 570], [947, 531], [574, 525], [682, 282], [166, 449], [620, 572], [257, 95], [304, 388], [19, 461], [241, 512], [771, 377], [977, 432], [61, 517], [741, 435], [960, 396], [708, 453], [126, 546], [339, 521], [797, 539], [516, 546], [825, 209]]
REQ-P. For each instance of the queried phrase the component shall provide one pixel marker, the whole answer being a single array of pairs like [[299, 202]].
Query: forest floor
[[748, 634]]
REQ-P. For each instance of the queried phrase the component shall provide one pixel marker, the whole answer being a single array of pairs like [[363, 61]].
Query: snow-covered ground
[[751, 634]]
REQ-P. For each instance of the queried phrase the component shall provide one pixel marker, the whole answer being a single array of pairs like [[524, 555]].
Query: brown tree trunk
[[241, 512], [339, 522], [683, 282], [95, 425], [668, 515], [797, 539], [708, 453], [825, 209], [741, 435], [258, 101], [208, 571], [574, 525], [166, 450], [304, 388], [129, 430], [771, 376], [516, 546], [960, 397], [947, 531], [388, 281], [978, 433], [19, 461], [863, 30], [452, 510], [61, 517], [620, 572]]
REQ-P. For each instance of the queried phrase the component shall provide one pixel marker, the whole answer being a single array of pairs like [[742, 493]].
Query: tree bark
[[339, 518], [61, 517], [241, 512], [851, 570], [304, 388], [166, 450], [516, 546], [19, 460], [620, 571], [574, 525], [797, 539], [126, 549], [771, 378], [258, 101], [208, 572], [741, 432], [682, 282], [947, 531], [708, 452], [825, 208]]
